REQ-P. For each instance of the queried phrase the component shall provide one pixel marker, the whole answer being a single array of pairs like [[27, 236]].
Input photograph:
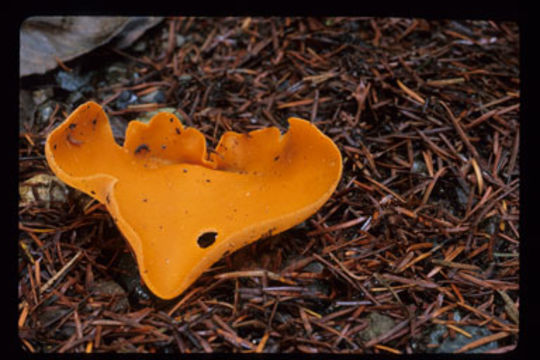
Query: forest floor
[[416, 251]]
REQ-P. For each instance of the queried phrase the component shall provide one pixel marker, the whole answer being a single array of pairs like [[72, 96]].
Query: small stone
[[71, 81], [109, 288], [126, 98], [419, 167], [180, 40], [319, 287], [45, 112], [42, 95], [489, 225], [48, 187], [140, 46], [117, 70], [378, 324], [462, 197], [450, 345], [184, 78], [154, 97], [314, 267], [75, 97]]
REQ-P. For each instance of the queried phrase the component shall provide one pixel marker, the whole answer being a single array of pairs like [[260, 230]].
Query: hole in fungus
[[207, 239], [73, 141], [142, 147]]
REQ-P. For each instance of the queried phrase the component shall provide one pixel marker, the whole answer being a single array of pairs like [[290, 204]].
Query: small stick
[[255, 273], [54, 278], [60, 272], [386, 189], [482, 341], [461, 133], [411, 93]]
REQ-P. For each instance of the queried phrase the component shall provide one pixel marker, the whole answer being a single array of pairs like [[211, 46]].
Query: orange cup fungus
[[180, 208]]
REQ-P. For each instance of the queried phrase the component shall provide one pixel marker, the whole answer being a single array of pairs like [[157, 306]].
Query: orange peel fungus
[[180, 208]]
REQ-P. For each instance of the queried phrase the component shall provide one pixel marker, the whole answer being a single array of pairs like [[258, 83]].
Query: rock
[[44, 112], [314, 267], [109, 288], [154, 97], [462, 197], [419, 167], [72, 80], [42, 95], [185, 78], [75, 97], [449, 345], [115, 73], [118, 126], [126, 98], [319, 287], [180, 40], [48, 188], [139, 46], [378, 324]]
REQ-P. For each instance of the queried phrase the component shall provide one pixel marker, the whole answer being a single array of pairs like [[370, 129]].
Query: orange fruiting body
[[179, 207]]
